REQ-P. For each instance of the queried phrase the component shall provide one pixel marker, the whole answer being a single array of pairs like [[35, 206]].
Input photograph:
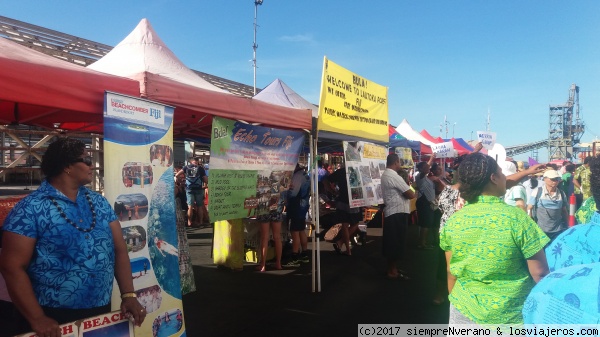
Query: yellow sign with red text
[[352, 105]]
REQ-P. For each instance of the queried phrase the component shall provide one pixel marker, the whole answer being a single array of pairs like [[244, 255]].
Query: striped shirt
[[425, 187], [393, 187]]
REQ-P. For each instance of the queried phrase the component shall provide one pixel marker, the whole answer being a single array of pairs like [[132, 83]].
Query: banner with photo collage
[[251, 168], [114, 324], [365, 162], [139, 183], [405, 155]]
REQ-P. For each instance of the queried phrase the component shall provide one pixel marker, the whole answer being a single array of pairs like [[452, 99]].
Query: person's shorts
[[297, 224], [195, 197], [273, 216], [297, 216]]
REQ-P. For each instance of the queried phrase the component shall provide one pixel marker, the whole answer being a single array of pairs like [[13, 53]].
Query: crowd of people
[[497, 222], [497, 228]]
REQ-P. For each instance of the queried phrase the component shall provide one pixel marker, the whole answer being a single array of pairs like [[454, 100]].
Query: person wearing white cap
[[548, 205]]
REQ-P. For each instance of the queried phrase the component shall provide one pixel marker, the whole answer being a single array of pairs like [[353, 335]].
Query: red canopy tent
[[37, 89], [40, 90], [429, 137]]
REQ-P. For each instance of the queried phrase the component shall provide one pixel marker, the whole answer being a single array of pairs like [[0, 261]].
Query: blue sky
[[439, 58]]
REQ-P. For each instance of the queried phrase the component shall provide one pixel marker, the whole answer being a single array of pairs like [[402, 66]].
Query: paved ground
[[354, 290]]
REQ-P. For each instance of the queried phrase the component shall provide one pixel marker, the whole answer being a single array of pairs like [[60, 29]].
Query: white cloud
[[299, 38]]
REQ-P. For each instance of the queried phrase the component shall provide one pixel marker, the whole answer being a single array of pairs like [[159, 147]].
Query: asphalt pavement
[[281, 302]]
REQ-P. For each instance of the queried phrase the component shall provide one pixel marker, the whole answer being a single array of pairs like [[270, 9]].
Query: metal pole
[[316, 284], [255, 46], [315, 213]]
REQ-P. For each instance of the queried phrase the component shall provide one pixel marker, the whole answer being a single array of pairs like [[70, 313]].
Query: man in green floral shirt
[[581, 180]]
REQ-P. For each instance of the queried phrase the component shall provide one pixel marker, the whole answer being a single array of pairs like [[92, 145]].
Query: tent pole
[[314, 215], [317, 224], [316, 251]]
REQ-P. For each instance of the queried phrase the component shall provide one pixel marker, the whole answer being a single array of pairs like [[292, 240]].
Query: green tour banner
[[250, 168]]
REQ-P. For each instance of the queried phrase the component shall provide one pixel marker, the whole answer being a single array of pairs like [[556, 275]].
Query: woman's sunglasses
[[85, 160]]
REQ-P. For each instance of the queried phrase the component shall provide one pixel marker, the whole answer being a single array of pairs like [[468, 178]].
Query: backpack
[[193, 178], [563, 197]]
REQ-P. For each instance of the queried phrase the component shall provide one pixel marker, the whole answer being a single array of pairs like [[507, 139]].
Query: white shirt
[[393, 187]]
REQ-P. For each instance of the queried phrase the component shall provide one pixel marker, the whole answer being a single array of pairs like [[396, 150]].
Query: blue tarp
[[414, 145], [462, 143]]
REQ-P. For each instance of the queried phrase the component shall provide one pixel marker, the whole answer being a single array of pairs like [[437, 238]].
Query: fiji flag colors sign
[[352, 105]]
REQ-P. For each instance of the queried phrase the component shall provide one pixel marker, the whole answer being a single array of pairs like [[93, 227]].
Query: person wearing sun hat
[[580, 244], [548, 205]]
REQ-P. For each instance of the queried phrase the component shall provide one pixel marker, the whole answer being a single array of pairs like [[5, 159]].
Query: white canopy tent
[[143, 51], [409, 133], [280, 94]]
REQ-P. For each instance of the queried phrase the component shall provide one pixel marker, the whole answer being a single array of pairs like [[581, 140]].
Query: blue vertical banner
[[138, 181]]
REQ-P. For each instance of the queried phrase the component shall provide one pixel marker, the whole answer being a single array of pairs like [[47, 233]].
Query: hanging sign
[[352, 105], [250, 168]]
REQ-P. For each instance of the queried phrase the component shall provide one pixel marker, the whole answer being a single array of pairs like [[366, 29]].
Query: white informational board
[[487, 139], [443, 150]]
